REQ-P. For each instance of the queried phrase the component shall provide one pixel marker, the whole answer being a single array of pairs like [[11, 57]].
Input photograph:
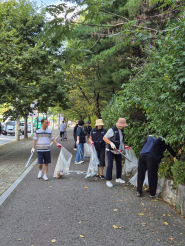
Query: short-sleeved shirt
[[43, 138], [62, 127], [110, 133]]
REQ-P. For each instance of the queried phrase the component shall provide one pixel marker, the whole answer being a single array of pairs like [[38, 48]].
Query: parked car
[[3, 130], [28, 128], [10, 127]]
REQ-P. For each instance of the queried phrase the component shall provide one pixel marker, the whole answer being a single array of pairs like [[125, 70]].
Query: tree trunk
[[98, 114], [25, 127], [89, 118]]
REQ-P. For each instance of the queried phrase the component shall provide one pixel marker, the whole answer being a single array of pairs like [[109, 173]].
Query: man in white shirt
[[42, 138], [62, 128], [115, 141]]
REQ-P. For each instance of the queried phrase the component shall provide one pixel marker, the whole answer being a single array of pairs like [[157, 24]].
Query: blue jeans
[[80, 152]]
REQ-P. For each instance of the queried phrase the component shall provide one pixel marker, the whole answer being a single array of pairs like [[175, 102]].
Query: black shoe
[[101, 176], [97, 176]]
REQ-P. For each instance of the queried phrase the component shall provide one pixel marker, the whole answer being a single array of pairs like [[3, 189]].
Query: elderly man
[[115, 141], [42, 138]]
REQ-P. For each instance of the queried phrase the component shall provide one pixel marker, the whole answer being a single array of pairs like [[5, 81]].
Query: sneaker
[[120, 181], [139, 194], [85, 156], [40, 174], [156, 195], [109, 184], [78, 162], [102, 177], [45, 177], [75, 149], [81, 162]]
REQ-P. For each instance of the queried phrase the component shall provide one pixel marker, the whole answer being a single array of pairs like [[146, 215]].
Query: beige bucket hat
[[121, 122], [99, 122]]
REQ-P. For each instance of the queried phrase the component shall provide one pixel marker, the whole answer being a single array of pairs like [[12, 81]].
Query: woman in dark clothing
[[96, 139], [149, 159], [81, 139], [74, 134]]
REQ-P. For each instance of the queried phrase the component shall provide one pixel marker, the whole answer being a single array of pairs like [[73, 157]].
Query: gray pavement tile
[[62, 209]]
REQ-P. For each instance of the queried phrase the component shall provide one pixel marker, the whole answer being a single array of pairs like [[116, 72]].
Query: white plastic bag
[[93, 163], [133, 180], [63, 163], [87, 149], [130, 166]]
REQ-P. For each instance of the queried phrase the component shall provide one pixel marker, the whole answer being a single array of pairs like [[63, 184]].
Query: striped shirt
[[43, 138]]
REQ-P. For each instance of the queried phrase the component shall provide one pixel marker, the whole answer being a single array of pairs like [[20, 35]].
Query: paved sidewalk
[[84, 212], [13, 158]]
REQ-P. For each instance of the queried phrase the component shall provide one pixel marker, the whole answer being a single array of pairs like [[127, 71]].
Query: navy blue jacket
[[81, 134], [156, 147], [97, 138], [115, 139]]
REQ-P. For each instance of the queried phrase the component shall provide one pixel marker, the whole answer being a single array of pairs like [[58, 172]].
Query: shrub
[[178, 170]]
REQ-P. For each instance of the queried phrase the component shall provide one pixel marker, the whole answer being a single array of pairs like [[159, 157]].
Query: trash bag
[[63, 162], [133, 180], [87, 149], [93, 163], [130, 166]]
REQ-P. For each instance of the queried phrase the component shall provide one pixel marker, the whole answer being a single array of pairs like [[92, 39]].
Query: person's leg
[[142, 167], [152, 166], [45, 168], [40, 161], [118, 159], [110, 157], [60, 134], [102, 160], [77, 158]]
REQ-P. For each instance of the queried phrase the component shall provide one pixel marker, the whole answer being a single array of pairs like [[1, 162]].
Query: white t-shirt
[[110, 133], [43, 138], [62, 127]]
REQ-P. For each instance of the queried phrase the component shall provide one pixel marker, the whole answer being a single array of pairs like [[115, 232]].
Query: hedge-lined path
[[78, 211]]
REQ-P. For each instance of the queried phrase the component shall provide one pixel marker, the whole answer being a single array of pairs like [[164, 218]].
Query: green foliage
[[178, 170], [165, 167]]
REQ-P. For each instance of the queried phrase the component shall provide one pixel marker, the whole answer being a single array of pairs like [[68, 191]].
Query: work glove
[[32, 150], [92, 143], [113, 146], [59, 145], [77, 142]]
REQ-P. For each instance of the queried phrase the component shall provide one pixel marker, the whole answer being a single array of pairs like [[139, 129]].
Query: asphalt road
[[8, 138], [78, 211]]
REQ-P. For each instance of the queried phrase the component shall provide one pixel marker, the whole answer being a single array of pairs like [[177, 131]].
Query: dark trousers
[[147, 162], [61, 134], [101, 156], [118, 159]]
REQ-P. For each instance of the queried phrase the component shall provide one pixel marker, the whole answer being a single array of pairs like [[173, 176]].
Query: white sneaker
[[109, 184], [81, 162], [45, 177], [75, 149], [78, 162], [121, 181], [40, 174]]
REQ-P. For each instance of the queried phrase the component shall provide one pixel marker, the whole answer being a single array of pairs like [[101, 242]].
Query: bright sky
[[49, 2]]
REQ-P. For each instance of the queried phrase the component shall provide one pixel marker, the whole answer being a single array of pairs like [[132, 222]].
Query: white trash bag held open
[[63, 162], [87, 149], [133, 180], [93, 163], [130, 166]]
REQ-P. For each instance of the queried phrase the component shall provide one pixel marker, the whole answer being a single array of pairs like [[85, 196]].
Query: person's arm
[[57, 144], [170, 150], [109, 134]]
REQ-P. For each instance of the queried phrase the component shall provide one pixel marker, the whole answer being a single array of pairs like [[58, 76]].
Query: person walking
[[42, 138], [149, 159], [81, 139], [75, 134], [96, 139], [62, 128], [115, 141]]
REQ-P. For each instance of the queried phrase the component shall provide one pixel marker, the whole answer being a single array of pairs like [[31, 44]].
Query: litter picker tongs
[[115, 151]]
